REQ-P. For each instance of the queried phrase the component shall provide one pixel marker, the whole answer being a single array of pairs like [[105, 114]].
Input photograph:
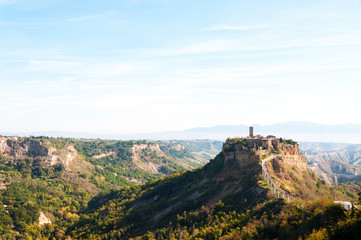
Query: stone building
[[251, 131], [261, 143]]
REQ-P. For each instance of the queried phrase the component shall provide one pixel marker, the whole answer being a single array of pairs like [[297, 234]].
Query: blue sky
[[127, 66]]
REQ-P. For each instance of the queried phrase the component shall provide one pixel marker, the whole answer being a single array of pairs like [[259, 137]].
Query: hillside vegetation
[[86, 189], [52, 180], [226, 199]]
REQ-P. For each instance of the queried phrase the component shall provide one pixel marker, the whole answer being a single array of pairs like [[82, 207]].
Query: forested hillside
[[88, 189], [226, 199], [49, 180]]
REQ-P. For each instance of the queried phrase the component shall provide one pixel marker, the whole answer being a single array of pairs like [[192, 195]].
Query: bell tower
[[251, 131]]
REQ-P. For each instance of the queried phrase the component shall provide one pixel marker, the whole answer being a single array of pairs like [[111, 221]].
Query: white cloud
[[4, 2], [22, 24], [54, 62], [220, 45], [226, 27], [254, 44], [109, 69], [86, 18], [50, 65]]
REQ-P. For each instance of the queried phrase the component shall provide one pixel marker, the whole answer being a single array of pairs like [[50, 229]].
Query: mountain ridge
[[303, 131]]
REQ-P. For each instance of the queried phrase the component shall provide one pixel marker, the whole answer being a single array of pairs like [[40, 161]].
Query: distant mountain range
[[299, 131]]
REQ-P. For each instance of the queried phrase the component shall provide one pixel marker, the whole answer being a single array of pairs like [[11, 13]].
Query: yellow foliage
[[318, 235], [72, 216]]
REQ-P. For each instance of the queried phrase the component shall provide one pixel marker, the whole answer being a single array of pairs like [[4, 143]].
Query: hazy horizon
[[298, 131]]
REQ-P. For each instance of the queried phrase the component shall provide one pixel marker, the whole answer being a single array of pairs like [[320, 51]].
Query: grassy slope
[[301, 183]]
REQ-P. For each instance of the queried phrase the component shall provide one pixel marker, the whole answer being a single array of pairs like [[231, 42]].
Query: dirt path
[[277, 191]]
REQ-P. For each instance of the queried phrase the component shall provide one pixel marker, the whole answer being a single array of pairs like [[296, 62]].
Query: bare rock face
[[336, 166], [65, 157], [144, 162], [43, 219], [242, 156], [291, 149], [238, 163], [21, 150], [292, 156]]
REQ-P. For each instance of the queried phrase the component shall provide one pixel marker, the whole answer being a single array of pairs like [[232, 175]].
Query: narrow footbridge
[[276, 190]]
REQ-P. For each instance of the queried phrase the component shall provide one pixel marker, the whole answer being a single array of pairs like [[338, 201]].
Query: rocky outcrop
[[141, 157], [43, 219], [65, 156], [291, 155], [22, 149], [238, 163], [242, 156]]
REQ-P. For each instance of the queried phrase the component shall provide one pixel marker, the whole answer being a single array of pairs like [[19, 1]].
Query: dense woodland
[[29, 185]]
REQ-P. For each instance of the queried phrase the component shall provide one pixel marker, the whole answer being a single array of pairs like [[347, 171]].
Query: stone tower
[[251, 131]]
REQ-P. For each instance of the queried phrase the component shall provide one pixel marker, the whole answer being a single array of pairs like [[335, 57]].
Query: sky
[[131, 66]]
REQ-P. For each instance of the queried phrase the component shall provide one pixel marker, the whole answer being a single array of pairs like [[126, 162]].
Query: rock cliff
[[25, 148], [238, 162], [291, 155], [243, 155], [22, 149]]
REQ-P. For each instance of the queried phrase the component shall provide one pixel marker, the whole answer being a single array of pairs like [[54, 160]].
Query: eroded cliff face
[[350, 154], [241, 160], [21, 149], [291, 155], [141, 155], [48, 155], [336, 167]]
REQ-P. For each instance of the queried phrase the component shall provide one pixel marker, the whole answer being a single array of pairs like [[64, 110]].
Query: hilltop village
[[238, 148], [260, 142]]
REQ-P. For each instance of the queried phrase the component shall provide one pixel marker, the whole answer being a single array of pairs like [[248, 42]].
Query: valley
[[336, 163], [180, 120]]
